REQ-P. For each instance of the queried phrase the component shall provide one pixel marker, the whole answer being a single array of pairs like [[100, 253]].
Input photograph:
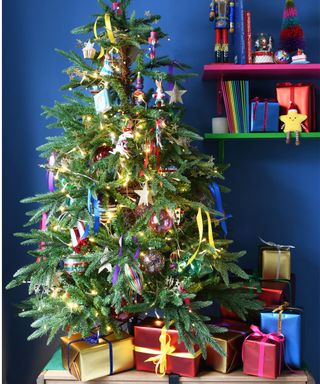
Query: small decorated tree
[[129, 224], [292, 35]]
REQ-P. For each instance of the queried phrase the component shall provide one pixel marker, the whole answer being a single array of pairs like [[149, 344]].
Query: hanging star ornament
[[145, 195], [176, 94]]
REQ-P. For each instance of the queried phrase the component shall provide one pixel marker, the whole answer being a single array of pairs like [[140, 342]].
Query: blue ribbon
[[92, 201], [216, 194], [93, 339]]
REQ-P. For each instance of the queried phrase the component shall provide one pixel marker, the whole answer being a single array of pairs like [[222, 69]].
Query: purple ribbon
[[117, 269], [137, 252], [52, 160]]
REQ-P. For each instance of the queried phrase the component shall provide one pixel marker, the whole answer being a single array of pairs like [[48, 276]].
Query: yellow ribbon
[[280, 309], [166, 349], [108, 26], [200, 228]]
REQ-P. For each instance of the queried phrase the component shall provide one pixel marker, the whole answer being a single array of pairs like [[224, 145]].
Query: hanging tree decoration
[[159, 95], [145, 195], [176, 94], [153, 43], [291, 35], [138, 94], [122, 143], [116, 7], [88, 50]]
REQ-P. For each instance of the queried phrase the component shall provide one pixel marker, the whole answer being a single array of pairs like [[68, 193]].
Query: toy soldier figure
[[222, 14]]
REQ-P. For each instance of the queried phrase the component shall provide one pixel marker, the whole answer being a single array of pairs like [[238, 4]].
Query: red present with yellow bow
[[158, 350]]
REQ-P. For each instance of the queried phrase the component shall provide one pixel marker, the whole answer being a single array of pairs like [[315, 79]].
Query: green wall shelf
[[250, 136]]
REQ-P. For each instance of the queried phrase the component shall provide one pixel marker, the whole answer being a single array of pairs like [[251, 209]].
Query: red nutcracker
[[222, 14]]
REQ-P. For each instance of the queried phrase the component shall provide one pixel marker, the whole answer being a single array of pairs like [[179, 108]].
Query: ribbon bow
[[280, 309], [108, 26], [278, 246], [165, 349], [222, 217]]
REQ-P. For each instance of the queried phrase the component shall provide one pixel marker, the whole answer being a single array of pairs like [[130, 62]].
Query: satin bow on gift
[[265, 337], [165, 349]]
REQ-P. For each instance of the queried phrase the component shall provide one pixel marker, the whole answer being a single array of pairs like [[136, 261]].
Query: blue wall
[[275, 188]]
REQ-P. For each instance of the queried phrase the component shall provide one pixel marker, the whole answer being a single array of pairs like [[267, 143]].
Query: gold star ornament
[[176, 94]]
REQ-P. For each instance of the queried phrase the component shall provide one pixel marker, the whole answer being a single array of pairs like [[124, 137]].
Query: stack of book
[[243, 34], [236, 101]]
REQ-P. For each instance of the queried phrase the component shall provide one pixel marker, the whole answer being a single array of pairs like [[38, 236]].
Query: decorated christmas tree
[[292, 35], [131, 223]]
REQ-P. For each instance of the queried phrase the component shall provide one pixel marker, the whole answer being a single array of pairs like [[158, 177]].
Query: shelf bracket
[[221, 151]]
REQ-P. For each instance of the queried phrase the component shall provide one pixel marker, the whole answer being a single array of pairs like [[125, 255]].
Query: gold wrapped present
[[93, 357], [275, 263], [231, 343]]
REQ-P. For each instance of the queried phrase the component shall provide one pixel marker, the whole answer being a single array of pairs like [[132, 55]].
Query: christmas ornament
[[291, 35], [133, 278], [153, 42], [129, 217], [138, 94], [222, 14], [77, 233], [152, 261], [107, 215], [159, 125], [89, 51], [122, 143], [300, 58], [176, 94], [178, 214], [141, 210], [263, 45], [102, 152], [106, 70], [102, 101], [281, 57], [293, 122], [145, 195], [116, 7], [94, 90], [159, 95], [168, 169], [75, 264], [162, 224]]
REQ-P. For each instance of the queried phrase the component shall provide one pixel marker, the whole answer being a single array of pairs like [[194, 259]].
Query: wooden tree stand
[[55, 374]]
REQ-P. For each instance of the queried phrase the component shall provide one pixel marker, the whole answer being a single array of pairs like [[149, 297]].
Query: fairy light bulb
[[94, 292]]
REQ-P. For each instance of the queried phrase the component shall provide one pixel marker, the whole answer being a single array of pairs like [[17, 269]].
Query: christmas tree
[[129, 225], [292, 35]]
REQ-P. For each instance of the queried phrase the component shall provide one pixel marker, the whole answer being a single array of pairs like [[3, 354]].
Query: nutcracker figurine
[[222, 13]]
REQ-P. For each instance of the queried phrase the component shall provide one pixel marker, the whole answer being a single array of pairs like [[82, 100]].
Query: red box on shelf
[[147, 345]]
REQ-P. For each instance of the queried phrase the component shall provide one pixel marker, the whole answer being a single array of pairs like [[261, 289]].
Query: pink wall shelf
[[261, 71]]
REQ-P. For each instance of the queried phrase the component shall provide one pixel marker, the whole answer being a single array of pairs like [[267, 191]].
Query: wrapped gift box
[[275, 263], [272, 293], [264, 116], [147, 345], [302, 95], [290, 327], [91, 358], [231, 343], [262, 354]]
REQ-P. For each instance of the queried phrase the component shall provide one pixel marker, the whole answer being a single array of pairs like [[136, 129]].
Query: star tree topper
[[145, 195], [176, 94]]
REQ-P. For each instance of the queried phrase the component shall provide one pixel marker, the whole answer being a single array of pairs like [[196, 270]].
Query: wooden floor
[[136, 377]]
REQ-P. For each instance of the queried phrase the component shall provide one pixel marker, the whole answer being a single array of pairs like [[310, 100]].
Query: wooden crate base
[[136, 377]]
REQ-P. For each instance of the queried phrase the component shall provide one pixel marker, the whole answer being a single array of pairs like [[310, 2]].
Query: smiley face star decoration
[[176, 94], [145, 195], [293, 122]]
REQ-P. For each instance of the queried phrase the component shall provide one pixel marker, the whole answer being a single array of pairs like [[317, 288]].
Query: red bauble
[[163, 223], [102, 152]]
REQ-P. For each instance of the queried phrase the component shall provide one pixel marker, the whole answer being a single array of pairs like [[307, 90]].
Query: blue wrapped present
[[102, 101], [264, 115], [290, 326]]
